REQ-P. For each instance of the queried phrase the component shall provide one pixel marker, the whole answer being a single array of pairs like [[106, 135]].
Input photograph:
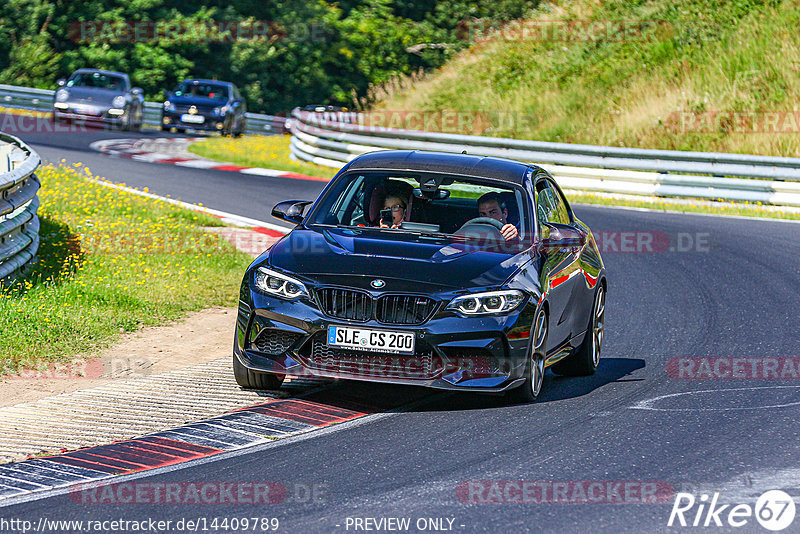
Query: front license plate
[[371, 340], [87, 110], [192, 119]]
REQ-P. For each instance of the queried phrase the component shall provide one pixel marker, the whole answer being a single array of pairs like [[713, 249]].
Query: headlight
[[169, 106], [278, 284], [219, 110], [118, 102], [62, 95], [490, 302]]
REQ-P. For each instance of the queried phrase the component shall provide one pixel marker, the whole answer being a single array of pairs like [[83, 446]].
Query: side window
[[549, 205], [562, 213], [544, 204], [342, 205]]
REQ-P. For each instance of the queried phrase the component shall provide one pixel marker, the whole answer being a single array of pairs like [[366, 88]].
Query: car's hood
[[404, 261], [196, 101], [94, 95]]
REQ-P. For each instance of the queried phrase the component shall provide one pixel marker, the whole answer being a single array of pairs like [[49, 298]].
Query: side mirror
[[291, 210], [137, 91], [61, 82], [556, 237]]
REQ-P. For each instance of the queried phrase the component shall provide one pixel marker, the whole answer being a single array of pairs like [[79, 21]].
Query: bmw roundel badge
[[377, 283]]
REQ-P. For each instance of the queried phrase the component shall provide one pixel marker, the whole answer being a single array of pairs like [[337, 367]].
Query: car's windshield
[[457, 207], [206, 90], [97, 79]]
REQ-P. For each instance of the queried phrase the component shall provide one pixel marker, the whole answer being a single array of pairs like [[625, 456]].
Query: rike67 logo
[[774, 510]]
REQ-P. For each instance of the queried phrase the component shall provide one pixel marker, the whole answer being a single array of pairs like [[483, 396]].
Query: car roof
[[201, 80], [444, 163], [107, 72]]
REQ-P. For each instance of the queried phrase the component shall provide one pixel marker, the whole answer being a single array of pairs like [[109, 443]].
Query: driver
[[493, 206]]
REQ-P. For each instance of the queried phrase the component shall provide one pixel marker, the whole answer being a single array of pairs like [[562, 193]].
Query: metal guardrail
[[32, 99], [333, 139], [19, 224]]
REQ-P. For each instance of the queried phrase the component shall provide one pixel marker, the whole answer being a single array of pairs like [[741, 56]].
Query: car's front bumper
[[451, 352], [210, 123], [99, 115]]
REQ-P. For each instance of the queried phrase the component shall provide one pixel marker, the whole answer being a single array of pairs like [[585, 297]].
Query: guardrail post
[[5, 158]]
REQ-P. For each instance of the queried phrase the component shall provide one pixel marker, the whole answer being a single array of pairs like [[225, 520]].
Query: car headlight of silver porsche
[[279, 285], [488, 302], [62, 95], [118, 102]]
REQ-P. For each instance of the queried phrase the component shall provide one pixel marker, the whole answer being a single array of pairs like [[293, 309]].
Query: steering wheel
[[482, 223]]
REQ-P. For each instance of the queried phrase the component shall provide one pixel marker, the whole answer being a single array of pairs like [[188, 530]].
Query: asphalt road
[[732, 294]]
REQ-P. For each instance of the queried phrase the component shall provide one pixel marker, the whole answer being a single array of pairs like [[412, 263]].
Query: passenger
[[398, 195], [398, 207], [493, 206]]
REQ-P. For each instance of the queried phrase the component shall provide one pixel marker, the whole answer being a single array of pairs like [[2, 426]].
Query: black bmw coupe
[[449, 271]]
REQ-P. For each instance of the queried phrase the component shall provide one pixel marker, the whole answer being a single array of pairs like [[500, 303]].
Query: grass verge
[[109, 262], [25, 112], [710, 76], [265, 151]]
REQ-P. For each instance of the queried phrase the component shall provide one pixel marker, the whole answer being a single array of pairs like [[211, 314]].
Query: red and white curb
[[314, 407], [172, 151], [262, 423]]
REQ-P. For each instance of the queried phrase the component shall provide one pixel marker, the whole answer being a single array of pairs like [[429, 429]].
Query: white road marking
[[199, 163], [262, 172], [232, 218], [648, 404]]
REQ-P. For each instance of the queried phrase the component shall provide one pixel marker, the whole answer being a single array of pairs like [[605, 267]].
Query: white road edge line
[[233, 218]]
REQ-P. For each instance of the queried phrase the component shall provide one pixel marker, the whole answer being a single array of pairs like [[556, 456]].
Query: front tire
[[241, 130], [253, 379], [586, 358], [125, 124], [534, 368]]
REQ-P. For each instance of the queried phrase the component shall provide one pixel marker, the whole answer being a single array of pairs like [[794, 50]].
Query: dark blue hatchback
[[204, 105]]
